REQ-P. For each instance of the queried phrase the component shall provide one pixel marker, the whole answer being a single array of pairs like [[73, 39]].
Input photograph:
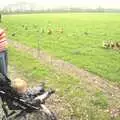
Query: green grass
[[100, 100], [73, 44], [87, 103]]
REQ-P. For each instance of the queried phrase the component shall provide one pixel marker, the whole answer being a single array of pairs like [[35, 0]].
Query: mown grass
[[81, 40], [87, 103]]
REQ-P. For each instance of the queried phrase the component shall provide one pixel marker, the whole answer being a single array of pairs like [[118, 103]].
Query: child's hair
[[19, 85]]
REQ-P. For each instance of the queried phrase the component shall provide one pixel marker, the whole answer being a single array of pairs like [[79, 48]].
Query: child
[[21, 87]]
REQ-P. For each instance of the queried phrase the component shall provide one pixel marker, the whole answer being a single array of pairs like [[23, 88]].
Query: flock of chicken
[[48, 31], [113, 45], [106, 44]]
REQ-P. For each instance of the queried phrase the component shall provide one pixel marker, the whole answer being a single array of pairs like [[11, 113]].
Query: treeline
[[101, 10], [29, 7]]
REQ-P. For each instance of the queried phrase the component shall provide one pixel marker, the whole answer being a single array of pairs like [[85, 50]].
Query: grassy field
[[87, 103], [80, 43], [81, 40]]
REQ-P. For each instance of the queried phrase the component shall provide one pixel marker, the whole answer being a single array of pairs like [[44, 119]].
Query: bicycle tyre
[[4, 118], [13, 118], [38, 115]]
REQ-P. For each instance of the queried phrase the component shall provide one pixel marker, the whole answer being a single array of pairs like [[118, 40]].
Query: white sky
[[83, 3]]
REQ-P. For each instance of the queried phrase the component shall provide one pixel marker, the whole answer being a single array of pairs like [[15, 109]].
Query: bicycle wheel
[[37, 115], [4, 118], [42, 114], [21, 117]]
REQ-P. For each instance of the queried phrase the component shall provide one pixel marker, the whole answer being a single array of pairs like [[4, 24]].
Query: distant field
[[81, 40]]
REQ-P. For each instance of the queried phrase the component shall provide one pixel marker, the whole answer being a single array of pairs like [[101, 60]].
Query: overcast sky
[[82, 3]]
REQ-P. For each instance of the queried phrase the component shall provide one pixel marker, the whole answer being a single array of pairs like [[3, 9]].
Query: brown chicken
[[49, 31]]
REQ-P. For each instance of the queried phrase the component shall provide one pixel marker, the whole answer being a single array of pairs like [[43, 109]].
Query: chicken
[[106, 44], [118, 45], [13, 34], [112, 45], [49, 31]]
